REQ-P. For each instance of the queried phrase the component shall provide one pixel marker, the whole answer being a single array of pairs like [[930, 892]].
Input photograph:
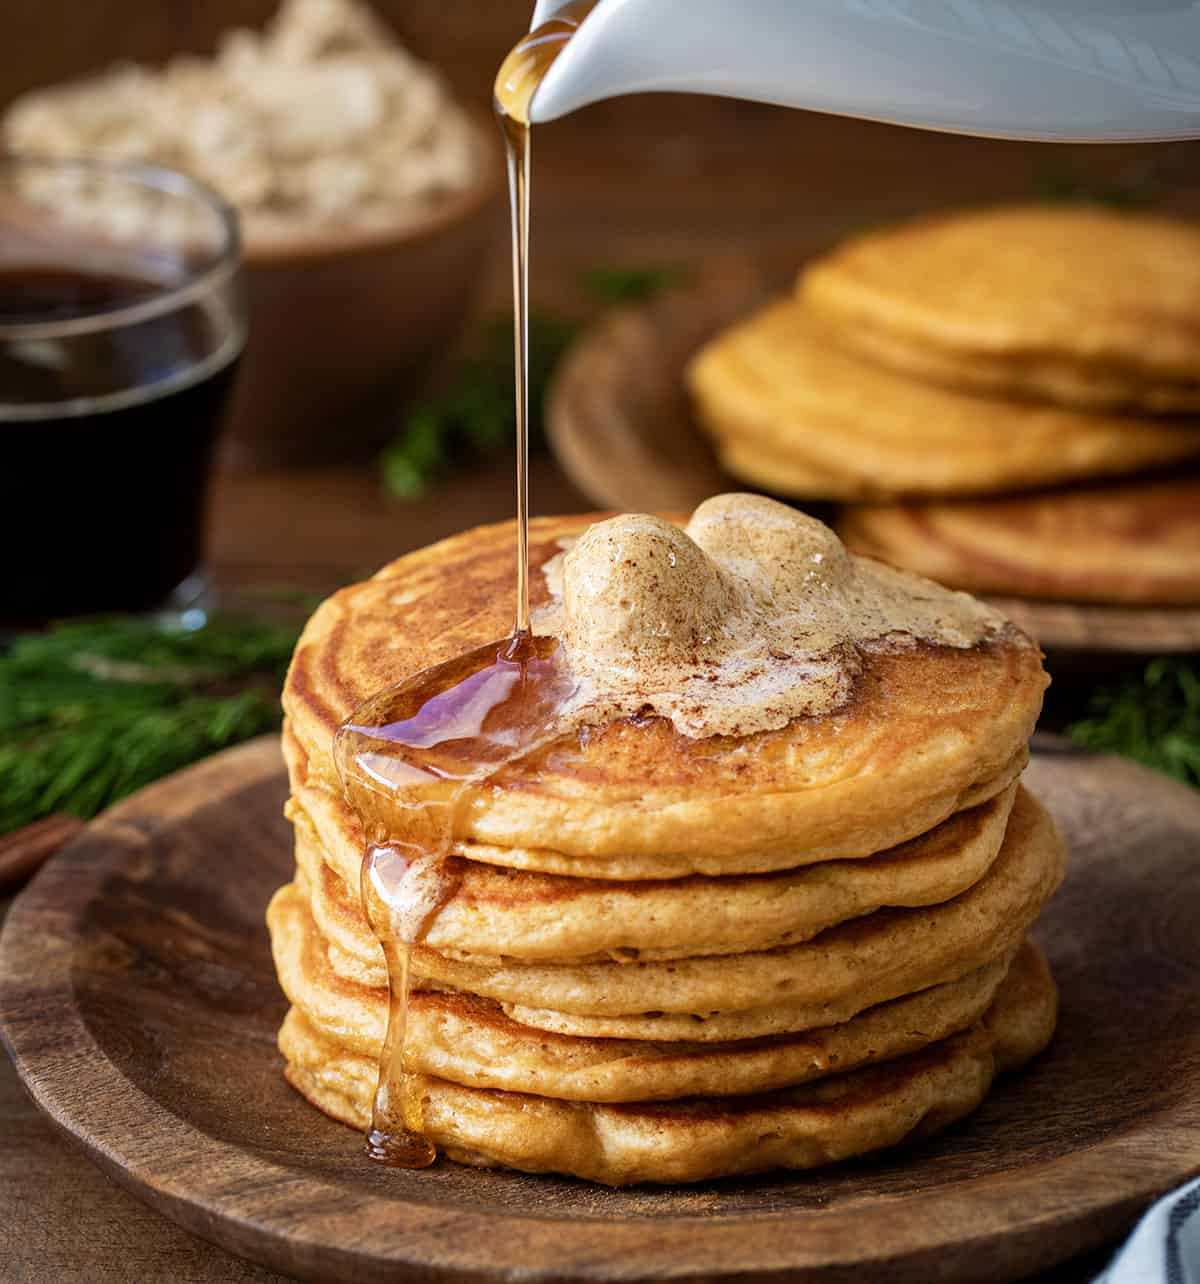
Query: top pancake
[[1079, 305], [797, 412], [927, 731], [1135, 542]]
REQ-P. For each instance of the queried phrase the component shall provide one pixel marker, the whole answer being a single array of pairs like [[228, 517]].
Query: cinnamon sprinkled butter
[[751, 615]]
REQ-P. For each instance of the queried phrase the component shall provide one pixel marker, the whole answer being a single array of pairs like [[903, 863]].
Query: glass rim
[[226, 260]]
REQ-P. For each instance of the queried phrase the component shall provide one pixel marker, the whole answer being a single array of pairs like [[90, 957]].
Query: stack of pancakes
[[673, 958], [930, 375]]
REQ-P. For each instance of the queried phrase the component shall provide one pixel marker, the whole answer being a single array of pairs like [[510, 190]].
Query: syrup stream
[[516, 82], [517, 145], [410, 757]]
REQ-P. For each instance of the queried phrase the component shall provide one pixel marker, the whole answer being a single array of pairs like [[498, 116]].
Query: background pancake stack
[[933, 374], [665, 963]]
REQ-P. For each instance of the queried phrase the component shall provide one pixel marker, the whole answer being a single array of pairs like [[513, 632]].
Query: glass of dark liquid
[[122, 319]]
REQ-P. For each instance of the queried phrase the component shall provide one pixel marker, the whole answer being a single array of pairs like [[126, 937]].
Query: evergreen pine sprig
[[632, 284], [91, 711], [475, 416], [1153, 719]]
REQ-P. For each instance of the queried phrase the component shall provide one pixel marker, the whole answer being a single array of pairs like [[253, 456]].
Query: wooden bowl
[[345, 324]]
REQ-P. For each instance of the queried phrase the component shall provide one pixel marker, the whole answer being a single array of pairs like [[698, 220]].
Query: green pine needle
[[475, 416], [1136, 188], [632, 284], [1153, 719], [92, 710]]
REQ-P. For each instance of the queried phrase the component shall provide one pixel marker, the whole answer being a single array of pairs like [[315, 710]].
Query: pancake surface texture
[[796, 412], [760, 899], [472, 1041], [498, 911], [1130, 542], [702, 1137], [1078, 305], [828, 979]]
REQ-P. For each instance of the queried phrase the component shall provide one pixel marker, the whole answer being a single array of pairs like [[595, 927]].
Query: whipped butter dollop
[[751, 615]]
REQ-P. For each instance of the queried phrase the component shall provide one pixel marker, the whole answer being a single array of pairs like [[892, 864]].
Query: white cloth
[[1165, 1245]]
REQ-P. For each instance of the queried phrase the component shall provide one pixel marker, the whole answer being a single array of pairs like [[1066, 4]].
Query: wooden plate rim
[[67, 1082]]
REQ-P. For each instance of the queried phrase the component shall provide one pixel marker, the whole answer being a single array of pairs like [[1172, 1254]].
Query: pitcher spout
[[1056, 70]]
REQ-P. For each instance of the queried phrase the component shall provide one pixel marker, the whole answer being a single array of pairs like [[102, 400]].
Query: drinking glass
[[122, 319]]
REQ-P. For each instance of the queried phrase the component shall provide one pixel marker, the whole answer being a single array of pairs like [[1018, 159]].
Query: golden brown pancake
[[929, 730], [469, 1040], [1078, 305], [826, 980], [697, 1138], [769, 469], [341, 836], [1134, 542], [499, 911], [793, 411]]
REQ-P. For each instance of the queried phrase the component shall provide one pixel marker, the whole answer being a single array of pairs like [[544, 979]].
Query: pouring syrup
[[410, 758]]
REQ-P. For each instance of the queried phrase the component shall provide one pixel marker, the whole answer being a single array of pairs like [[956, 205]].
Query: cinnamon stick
[[25, 850]]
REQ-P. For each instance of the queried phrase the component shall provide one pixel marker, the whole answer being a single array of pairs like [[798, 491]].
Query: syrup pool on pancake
[[417, 746]]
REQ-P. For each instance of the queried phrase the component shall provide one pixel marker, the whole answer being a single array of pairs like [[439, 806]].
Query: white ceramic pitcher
[[1066, 70]]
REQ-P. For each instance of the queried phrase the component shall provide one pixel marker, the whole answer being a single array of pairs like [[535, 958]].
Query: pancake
[[470, 1040], [341, 835], [1136, 543], [827, 980], [928, 731], [757, 905], [1077, 305], [702, 1137], [770, 469], [540, 917], [808, 417]]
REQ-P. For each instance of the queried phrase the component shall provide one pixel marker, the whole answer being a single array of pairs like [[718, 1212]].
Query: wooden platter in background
[[618, 414], [1070, 627], [138, 1000], [621, 425]]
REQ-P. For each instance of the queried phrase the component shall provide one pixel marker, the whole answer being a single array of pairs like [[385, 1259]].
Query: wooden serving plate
[[138, 1001], [620, 422]]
